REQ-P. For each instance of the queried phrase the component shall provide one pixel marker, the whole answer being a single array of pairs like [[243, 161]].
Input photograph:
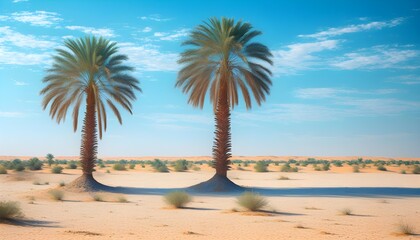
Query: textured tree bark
[[222, 139], [88, 149]]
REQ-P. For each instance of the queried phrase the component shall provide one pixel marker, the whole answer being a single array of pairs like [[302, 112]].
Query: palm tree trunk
[[88, 149], [222, 144]]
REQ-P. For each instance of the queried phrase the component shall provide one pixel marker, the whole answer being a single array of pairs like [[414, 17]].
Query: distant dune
[[198, 158]]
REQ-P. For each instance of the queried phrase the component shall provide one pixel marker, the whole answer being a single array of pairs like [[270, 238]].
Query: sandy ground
[[299, 210]]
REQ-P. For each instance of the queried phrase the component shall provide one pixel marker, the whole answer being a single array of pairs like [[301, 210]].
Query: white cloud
[[105, 32], [149, 57], [18, 1], [22, 58], [155, 17], [377, 57], [171, 118], [332, 32], [11, 114], [147, 29], [407, 79], [300, 56], [338, 93], [12, 37], [173, 36], [37, 18], [19, 83]]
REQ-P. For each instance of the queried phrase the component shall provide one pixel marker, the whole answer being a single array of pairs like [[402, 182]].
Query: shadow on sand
[[32, 223]]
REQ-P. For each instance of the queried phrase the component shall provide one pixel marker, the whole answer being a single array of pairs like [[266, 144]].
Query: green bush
[[181, 165], [381, 167], [3, 170], [159, 166], [56, 194], [57, 169], [287, 168], [50, 159], [34, 164], [9, 210], [132, 166], [416, 169], [261, 166], [19, 167], [177, 199], [119, 167], [251, 201], [72, 165], [325, 166]]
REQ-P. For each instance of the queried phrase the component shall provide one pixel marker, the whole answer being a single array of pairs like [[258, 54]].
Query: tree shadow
[[32, 223]]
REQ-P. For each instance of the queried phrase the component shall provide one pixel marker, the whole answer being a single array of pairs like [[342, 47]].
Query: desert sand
[[305, 207]]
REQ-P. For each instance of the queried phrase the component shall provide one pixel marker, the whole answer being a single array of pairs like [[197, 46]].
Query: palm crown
[[88, 65], [221, 54]]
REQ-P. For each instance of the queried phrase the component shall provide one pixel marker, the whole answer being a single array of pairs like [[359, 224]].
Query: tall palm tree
[[88, 69], [222, 60]]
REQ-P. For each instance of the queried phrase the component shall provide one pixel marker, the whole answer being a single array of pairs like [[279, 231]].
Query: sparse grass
[[283, 178], [56, 194], [57, 169], [416, 169], [196, 168], [381, 167], [9, 210], [356, 169], [312, 208], [98, 197], [62, 184], [177, 199], [132, 166], [403, 172], [287, 168], [3, 170], [261, 166], [122, 199], [252, 201], [181, 165], [346, 211], [107, 171], [405, 228]]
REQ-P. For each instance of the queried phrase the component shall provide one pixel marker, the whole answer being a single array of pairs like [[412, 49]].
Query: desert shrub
[[337, 163], [251, 201], [356, 169], [19, 167], [381, 167], [326, 166], [119, 167], [72, 165], [159, 166], [246, 164], [34, 164], [3, 170], [57, 169], [62, 184], [132, 166], [346, 211], [416, 169], [56, 194], [107, 171], [261, 166], [50, 159], [181, 165], [403, 172], [36, 182], [287, 168], [196, 168], [177, 199], [405, 228], [97, 197], [9, 210], [317, 168], [122, 199], [283, 178]]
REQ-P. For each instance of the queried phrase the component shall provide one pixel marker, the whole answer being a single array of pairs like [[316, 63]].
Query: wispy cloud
[[10, 57], [172, 36], [11, 114], [105, 32], [147, 29], [149, 57], [37, 18], [155, 17], [19, 83], [300, 56], [409, 79], [7, 35], [377, 57], [18, 1], [333, 32], [319, 93]]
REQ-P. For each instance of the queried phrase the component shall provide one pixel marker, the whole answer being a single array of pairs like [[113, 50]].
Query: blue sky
[[346, 77]]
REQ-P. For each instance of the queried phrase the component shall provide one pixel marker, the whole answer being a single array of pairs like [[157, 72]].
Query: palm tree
[[222, 60], [88, 69]]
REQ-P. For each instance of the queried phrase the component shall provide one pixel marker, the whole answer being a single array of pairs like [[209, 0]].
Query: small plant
[[57, 169], [416, 169], [403, 172], [181, 165], [346, 211], [159, 166], [56, 194], [356, 169], [34, 164], [71, 165], [62, 184], [36, 182], [9, 210], [177, 199], [405, 228], [107, 171], [317, 168], [251, 201], [326, 167], [287, 168], [119, 167], [122, 199], [196, 168], [261, 166], [3, 170], [283, 178], [381, 167], [98, 197], [132, 166]]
